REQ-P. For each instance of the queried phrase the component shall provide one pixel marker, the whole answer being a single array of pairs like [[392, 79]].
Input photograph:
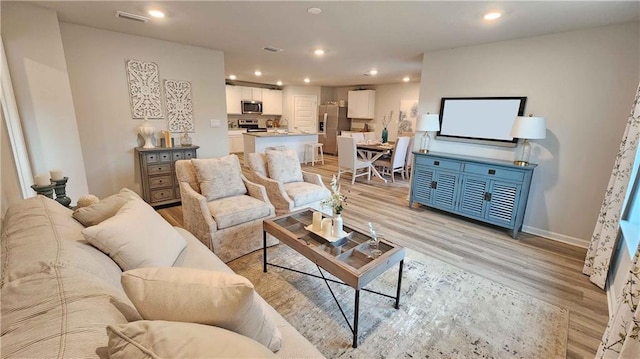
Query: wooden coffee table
[[349, 259]]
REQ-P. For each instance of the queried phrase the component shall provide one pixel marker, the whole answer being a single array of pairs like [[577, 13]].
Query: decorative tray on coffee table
[[334, 241]]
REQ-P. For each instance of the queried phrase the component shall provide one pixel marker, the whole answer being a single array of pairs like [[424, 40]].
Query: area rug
[[445, 312]]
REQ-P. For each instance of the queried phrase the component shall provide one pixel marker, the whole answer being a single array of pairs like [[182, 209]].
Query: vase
[[147, 131], [185, 139], [337, 225], [385, 135]]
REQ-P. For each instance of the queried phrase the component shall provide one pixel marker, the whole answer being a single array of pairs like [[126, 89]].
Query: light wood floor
[[545, 269]]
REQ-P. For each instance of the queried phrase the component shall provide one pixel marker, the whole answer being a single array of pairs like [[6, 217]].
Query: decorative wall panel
[[144, 89], [179, 105]]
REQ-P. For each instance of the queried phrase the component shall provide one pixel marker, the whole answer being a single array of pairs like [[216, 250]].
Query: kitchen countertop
[[274, 134]]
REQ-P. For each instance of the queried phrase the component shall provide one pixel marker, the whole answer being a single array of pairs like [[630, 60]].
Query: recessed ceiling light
[[319, 52], [306, 80], [373, 72], [406, 79], [232, 77], [492, 15], [258, 73], [314, 10], [156, 13], [279, 83]]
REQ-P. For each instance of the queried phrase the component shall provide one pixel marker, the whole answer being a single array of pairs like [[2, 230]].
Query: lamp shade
[[529, 127], [428, 122]]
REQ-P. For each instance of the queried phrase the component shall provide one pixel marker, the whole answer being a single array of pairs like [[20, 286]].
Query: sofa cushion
[[198, 296], [133, 245], [106, 208], [284, 166], [258, 163], [39, 233], [162, 339], [231, 211], [303, 193], [60, 313], [219, 177]]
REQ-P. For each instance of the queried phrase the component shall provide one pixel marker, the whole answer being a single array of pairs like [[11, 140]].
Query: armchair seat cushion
[[235, 210], [303, 193]]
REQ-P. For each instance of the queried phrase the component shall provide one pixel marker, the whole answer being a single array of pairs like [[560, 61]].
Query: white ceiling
[[390, 36]]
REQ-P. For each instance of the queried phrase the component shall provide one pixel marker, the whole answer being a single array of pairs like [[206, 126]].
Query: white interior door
[[305, 113]]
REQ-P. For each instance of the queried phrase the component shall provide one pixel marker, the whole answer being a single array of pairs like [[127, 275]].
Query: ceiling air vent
[[130, 16], [272, 49]]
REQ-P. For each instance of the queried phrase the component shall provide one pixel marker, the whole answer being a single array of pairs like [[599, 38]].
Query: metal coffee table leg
[[264, 251], [355, 319]]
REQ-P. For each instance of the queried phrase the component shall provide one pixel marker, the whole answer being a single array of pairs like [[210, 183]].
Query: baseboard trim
[[578, 242]]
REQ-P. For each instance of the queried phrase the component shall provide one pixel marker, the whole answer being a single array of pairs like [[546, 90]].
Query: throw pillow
[[258, 163], [137, 236], [284, 166], [161, 339], [221, 299], [219, 177], [106, 208]]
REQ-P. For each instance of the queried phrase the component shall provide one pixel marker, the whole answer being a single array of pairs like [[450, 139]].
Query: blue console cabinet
[[487, 190]]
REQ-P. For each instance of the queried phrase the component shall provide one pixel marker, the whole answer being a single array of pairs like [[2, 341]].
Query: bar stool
[[312, 151]]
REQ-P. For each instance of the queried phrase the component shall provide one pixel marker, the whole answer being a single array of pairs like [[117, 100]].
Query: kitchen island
[[259, 141]]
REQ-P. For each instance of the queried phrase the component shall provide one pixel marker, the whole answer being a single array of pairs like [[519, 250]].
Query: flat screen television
[[485, 120]]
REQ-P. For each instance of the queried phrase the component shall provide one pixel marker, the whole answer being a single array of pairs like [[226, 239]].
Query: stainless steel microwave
[[252, 107]]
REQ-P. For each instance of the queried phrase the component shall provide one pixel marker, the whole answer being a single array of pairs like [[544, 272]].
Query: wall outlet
[[214, 123]]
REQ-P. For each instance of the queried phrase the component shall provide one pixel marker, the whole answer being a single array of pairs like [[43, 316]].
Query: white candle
[[326, 227], [317, 221], [56, 175], [42, 180]]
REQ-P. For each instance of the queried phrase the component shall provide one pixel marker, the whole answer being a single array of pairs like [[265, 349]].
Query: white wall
[[583, 82], [96, 60], [38, 70]]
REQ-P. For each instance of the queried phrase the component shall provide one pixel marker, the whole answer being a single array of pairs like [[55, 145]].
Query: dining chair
[[398, 159], [348, 160], [409, 159]]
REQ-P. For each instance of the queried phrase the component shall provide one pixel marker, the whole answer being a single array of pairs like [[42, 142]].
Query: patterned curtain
[[620, 339], [603, 240]]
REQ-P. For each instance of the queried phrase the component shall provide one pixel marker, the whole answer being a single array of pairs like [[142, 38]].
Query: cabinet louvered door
[[446, 190], [421, 190], [503, 203], [474, 194]]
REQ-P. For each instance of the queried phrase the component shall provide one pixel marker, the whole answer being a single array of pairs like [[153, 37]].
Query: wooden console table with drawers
[[487, 190], [158, 173]]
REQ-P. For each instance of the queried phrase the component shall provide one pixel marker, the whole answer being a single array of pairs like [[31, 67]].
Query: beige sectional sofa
[[59, 293]]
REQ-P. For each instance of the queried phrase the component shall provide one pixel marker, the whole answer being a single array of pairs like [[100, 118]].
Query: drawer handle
[[434, 184], [492, 172], [436, 163], [487, 196]]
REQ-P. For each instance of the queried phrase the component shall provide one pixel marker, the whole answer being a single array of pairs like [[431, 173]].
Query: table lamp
[[426, 123], [527, 128]]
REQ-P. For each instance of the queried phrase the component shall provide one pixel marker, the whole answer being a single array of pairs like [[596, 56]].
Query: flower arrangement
[[336, 200], [385, 121]]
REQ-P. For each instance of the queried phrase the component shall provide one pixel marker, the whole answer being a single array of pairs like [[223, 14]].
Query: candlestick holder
[[44, 190], [60, 187]]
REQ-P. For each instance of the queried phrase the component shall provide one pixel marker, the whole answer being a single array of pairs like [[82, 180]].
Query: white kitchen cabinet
[[361, 104], [251, 93], [234, 96], [236, 142], [271, 102]]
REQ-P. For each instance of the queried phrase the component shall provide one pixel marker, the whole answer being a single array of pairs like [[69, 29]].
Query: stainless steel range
[[251, 125]]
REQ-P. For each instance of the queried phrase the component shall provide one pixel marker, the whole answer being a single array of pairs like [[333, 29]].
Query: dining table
[[371, 152]]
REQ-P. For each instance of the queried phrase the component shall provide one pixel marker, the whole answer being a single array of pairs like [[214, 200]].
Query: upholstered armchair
[[221, 207], [289, 187]]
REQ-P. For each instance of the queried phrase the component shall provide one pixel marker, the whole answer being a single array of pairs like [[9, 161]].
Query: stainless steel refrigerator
[[332, 119]]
